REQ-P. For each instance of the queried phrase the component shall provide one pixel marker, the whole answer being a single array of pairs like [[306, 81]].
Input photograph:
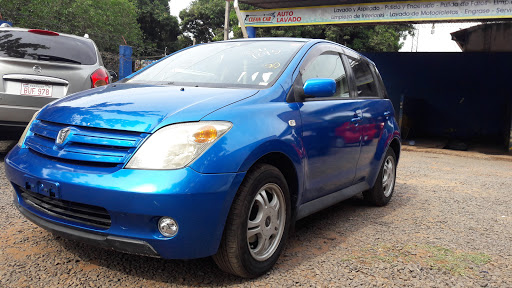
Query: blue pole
[[251, 31], [125, 61]]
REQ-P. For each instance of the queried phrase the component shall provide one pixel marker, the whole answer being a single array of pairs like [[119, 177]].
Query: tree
[[204, 20], [160, 29], [108, 22]]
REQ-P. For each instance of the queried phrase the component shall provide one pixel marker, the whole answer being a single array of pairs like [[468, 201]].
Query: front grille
[[89, 146], [94, 216]]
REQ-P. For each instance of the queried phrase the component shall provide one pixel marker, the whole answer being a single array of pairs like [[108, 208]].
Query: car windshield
[[64, 49], [247, 64]]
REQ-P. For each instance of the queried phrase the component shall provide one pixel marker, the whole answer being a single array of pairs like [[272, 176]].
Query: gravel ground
[[449, 224]]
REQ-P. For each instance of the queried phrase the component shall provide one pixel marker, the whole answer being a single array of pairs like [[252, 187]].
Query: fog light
[[168, 226]]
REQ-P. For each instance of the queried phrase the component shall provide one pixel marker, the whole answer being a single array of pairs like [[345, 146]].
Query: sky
[[424, 40], [439, 41], [177, 6]]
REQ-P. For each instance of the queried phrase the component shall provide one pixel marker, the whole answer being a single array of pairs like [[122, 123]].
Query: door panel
[[331, 137], [376, 112], [330, 126]]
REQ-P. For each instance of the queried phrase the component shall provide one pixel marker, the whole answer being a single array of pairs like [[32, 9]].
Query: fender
[[289, 150], [375, 172], [261, 125], [292, 151]]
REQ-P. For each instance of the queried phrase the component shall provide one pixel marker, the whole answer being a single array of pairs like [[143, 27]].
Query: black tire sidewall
[[383, 199], [376, 194], [269, 174]]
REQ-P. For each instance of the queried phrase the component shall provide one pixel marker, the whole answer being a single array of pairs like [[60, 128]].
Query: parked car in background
[[39, 66], [214, 150]]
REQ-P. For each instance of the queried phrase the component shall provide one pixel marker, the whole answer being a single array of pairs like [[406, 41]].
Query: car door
[[376, 111], [330, 126]]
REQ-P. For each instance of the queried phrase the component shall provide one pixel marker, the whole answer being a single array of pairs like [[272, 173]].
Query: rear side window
[[365, 82], [27, 45], [328, 65], [380, 82]]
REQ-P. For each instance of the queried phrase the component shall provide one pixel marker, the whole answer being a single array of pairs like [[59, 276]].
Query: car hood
[[140, 108]]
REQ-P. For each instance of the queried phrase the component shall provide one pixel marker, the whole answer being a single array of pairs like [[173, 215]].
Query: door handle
[[387, 114], [356, 120]]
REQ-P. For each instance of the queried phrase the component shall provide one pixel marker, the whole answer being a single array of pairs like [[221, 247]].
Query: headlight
[[176, 146], [22, 138]]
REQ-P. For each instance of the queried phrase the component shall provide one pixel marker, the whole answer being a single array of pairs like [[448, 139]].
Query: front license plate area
[[46, 188], [31, 89]]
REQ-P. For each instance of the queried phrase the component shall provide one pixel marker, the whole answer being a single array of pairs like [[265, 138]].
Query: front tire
[[257, 225], [381, 192]]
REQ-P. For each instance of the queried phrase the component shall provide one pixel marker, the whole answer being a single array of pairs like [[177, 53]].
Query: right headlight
[[176, 146], [24, 135]]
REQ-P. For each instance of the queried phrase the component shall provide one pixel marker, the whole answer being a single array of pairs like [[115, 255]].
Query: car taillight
[[99, 78], [43, 32]]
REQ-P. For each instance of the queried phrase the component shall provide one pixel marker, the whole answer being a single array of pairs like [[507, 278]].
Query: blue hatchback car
[[214, 150]]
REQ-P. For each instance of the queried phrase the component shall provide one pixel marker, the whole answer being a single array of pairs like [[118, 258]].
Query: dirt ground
[[449, 224]]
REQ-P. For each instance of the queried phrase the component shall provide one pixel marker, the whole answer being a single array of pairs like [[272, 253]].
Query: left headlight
[[175, 146], [24, 135]]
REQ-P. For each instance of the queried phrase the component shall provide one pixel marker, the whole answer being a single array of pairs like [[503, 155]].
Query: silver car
[[39, 66]]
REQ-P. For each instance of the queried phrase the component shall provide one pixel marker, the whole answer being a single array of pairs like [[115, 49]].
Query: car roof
[[60, 34], [291, 39]]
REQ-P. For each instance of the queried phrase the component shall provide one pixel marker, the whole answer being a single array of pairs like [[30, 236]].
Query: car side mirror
[[320, 87], [113, 75]]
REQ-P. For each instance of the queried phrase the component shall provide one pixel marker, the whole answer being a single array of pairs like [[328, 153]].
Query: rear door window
[[382, 88], [27, 45], [365, 82]]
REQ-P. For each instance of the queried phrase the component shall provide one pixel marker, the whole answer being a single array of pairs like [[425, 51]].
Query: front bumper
[[135, 201], [97, 239]]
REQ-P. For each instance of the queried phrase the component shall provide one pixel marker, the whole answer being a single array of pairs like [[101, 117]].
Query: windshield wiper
[[56, 58]]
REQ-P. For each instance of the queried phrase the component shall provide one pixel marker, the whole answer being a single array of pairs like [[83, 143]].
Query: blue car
[[215, 150]]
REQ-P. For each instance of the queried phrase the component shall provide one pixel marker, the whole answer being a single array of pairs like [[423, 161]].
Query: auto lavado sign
[[416, 11]]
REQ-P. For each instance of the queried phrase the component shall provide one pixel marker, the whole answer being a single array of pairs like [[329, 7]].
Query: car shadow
[[8, 138], [314, 236]]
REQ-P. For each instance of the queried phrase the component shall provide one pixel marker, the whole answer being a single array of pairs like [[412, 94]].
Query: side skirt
[[316, 205]]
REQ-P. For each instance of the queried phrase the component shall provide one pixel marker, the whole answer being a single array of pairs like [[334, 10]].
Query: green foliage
[[106, 21], [458, 263], [160, 29], [204, 19], [429, 256]]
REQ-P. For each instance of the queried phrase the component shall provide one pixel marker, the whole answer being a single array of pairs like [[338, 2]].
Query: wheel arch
[[393, 143], [396, 146], [285, 165], [286, 156]]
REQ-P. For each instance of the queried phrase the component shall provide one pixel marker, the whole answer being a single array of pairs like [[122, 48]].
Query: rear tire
[[257, 224], [382, 191]]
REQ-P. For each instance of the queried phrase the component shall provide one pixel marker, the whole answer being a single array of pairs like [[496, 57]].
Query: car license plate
[[36, 89]]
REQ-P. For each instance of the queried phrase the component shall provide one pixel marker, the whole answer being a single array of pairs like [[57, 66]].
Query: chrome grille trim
[[84, 143]]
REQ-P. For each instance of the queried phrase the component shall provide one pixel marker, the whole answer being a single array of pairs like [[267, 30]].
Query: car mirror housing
[[320, 87]]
